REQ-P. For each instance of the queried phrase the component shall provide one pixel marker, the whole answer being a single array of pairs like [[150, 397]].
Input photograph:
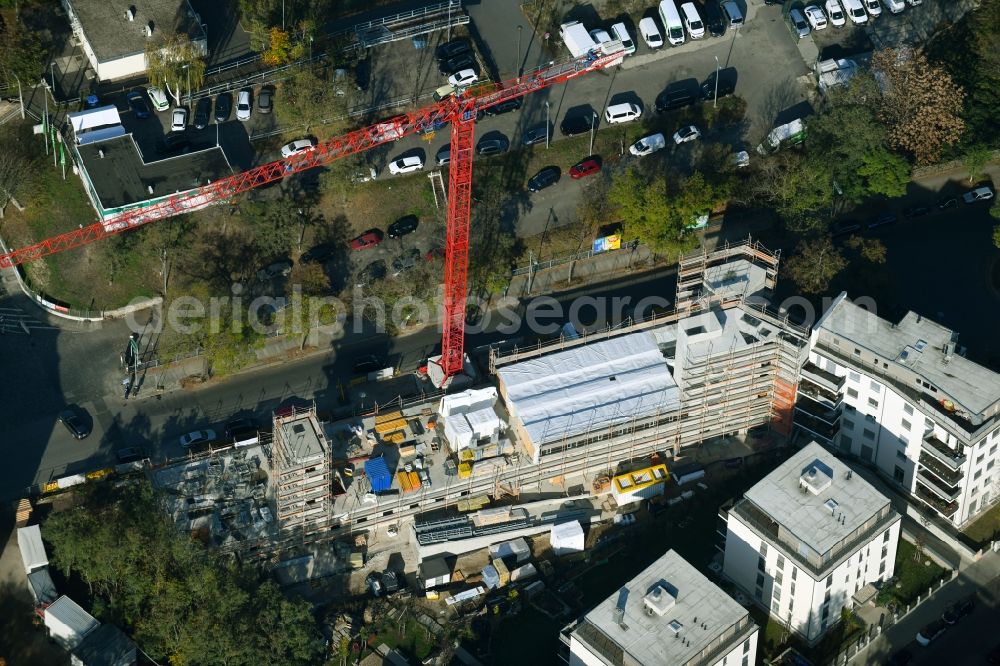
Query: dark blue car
[[137, 102]]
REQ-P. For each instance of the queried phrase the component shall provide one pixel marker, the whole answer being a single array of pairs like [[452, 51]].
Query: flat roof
[[121, 177], [111, 35], [304, 438], [916, 343], [817, 498], [106, 646], [649, 637], [598, 384], [735, 278]]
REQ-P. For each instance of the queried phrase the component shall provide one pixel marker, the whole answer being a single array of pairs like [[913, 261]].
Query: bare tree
[[16, 167], [175, 62], [920, 104]]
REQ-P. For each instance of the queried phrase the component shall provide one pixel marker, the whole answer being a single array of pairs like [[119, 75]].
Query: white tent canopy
[[91, 118], [470, 416]]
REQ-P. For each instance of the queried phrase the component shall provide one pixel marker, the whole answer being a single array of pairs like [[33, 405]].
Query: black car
[[443, 156], [137, 102], [727, 85], [959, 609], [536, 134], [458, 63], [504, 107], [131, 454], [265, 100], [547, 176], [712, 14], [74, 423], [455, 47], [367, 364], [916, 211], [403, 226], [671, 100], [405, 262], [320, 254], [573, 125], [492, 145], [223, 107], [888, 217], [202, 112], [237, 425]]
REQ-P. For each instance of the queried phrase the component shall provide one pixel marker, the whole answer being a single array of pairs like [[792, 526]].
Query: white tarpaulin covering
[[91, 118], [29, 542], [590, 386], [470, 416], [566, 538]]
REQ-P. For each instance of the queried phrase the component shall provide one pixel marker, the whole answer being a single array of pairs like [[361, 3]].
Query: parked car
[[271, 271], [888, 217], [712, 14], [158, 98], [815, 16], [202, 112], [930, 632], [981, 193], [622, 35], [685, 134], [265, 100], [223, 107], [492, 145], [403, 226], [733, 14], [74, 422], [297, 147], [369, 239], [406, 164], [504, 107], [374, 271], [585, 167], [458, 63], [959, 609], [318, 254], [178, 119], [405, 262], [916, 211], [894, 6], [546, 177], [242, 423], [726, 86], [137, 103], [835, 13], [536, 134], [650, 33], [443, 155], [197, 437], [453, 48], [648, 145], [130, 454], [855, 11], [573, 125], [243, 105], [465, 77], [799, 23], [873, 7], [844, 227], [670, 100], [622, 113]]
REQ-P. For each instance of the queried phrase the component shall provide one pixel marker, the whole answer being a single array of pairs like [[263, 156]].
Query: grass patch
[[987, 526], [410, 637], [912, 577]]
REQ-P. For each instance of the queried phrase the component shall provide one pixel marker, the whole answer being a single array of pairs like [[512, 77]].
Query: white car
[[296, 147], [855, 11], [873, 7], [983, 193], [406, 164], [894, 6], [799, 23], [835, 13], [178, 119], [197, 437], [158, 98], [650, 33], [600, 36], [815, 17], [243, 106], [466, 77], [685, 134], [647, 145]]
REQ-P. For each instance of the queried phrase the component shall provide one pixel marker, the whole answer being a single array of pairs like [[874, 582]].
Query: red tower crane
[[460, 111]]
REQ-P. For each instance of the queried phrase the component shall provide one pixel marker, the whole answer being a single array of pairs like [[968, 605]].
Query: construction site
[[559, 420]]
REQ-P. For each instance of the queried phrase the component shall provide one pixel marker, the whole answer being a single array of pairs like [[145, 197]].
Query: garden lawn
[[986, 526], [913, 578]]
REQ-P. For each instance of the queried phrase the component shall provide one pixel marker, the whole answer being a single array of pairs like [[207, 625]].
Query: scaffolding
[[692, 268], [303, 471]]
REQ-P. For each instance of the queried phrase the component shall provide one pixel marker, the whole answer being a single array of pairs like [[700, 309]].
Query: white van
[[621, 34], [650, 33], [672, 22], [855, 11], [692, 21], [621, 113], [894, 6]]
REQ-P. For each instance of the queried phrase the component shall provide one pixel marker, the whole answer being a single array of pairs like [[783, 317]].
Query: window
[[979, 459], [885, 537], [972, 505], [885, 551], [907, 425], [857, 351], [853, 393], [900, 455], [759, 593], [990, 464], [774, 606], [746, 646], [847, 425], [780, 563], [876, 387], [977, 475], [829, 582], [826, 612], [791, 591], [763, 550], [746, 660], [760, 563], [993, 449], [881, 568], [973, 492], [905, 441], [760, 580], [872, 402], [778, 578], [869, 434], [908, 409], [898, 474], [855, 377], [794, 572]]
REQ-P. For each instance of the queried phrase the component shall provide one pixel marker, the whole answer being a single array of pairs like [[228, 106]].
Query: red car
[[370, 238], [586, 167]]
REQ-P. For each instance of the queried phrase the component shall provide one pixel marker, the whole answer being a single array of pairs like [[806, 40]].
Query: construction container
[[68, 623], [407, 451], [523, 573], [490, 577], [641, 484], [378, 474], [517, 549], [533, 589], [404, 481], [491, 516], [464, 470], [502, 572], [473, 503], [414, 480]]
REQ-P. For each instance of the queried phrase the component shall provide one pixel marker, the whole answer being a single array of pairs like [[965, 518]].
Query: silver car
[[243, 106], [799, 23]]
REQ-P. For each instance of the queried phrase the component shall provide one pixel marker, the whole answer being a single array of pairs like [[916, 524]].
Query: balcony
[[819, 393], [819, 376], [943, 490], [819, 411], [942, 452], [946, 509], [814, 426], [943, 472]]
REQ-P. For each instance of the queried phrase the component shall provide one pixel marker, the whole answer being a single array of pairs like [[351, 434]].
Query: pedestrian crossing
[[16, 320]]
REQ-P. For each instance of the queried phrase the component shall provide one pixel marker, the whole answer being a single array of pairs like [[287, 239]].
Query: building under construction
[[303, 472]]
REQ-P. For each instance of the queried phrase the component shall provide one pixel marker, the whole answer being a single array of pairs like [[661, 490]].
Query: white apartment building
[[903, 398], [808, 537], [668, 614]]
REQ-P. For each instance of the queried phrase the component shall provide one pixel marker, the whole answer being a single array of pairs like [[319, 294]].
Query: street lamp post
[[52, 68], [715, 99], [310, 47], [20, 95], [187, 68], [546, 124], [517, 65], [593, 124], [282, 14]]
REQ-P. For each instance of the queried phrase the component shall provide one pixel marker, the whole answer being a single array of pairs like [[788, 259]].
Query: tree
[[307, 98], [975, 159], [885, 173], [306, 288], [870, 249], [798, 188], [815, 263], [17, 164], [274, 226], [165, 237], [279, 48], [21, 55], [644, 207], [920, 103], [174, 62]]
